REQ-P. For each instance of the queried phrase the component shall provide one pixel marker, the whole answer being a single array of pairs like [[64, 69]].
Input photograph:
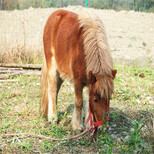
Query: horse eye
[[95, 100]]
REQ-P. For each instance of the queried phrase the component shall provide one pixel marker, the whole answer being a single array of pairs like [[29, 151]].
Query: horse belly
[[64, 67]]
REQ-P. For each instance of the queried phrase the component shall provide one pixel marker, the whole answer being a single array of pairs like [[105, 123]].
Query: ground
[[131, 109], [130, 127]]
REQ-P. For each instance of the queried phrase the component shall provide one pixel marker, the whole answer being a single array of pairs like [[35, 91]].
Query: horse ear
[[114, 72], [92, 78]]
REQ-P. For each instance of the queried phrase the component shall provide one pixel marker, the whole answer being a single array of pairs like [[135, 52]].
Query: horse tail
[[44, 91]]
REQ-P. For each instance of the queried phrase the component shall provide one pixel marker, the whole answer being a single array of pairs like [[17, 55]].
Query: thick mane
[[97, 52]]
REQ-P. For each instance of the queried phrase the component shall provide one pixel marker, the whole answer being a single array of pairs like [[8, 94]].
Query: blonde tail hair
[[44, 91]]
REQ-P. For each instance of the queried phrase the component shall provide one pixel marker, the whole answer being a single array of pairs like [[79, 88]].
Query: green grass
[[131, 102]]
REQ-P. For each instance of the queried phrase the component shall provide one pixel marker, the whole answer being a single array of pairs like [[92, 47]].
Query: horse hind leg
[[54, 84], [59, 83]]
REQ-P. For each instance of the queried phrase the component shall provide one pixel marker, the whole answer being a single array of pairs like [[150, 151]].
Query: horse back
[[63, 41]]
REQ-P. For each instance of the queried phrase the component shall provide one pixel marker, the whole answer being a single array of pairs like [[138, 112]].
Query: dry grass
[[20, 54], [129, 33]]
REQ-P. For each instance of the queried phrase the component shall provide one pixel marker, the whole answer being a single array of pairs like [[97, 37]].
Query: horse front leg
[[77, 118]]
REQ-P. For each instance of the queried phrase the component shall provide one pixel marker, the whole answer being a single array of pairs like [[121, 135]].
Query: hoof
[[77, 127], [52, 120]]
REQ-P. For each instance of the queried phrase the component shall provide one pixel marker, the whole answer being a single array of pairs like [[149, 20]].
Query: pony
[[76, 49]]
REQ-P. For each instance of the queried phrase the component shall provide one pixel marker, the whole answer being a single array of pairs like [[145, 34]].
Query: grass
[[130, 115], [135, 141], [20, 54]]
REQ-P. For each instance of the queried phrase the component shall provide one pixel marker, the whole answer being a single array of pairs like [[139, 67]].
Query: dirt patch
[[129, 33]]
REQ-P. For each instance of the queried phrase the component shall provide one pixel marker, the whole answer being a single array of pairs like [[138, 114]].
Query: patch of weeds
[[133, 38], [115, 49], [84, 143], [124, 92], [131, 90], [60, 99], [149, 60], [69, 94], [126, 149], [35, 121], [62, 115], [73, 149], [70, 146], [126, 128], [57, 131], [129, 46], [20, 129], [135, 142], [47, 146], [114, 116], [147, 71], [53, 131], [105, 143], [24, 145]]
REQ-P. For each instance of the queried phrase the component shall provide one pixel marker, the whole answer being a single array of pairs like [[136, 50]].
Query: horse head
[[99, 102]]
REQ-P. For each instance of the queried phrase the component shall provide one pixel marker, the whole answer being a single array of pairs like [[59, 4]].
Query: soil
[[130, 34]]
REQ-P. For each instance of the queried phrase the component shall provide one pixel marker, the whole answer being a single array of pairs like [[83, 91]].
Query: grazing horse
[[76, 49]]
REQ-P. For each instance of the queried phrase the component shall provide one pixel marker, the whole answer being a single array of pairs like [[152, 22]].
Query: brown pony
[[76, 49]]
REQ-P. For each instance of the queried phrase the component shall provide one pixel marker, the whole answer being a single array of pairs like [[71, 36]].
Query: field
[[130, 127], [131, 109]]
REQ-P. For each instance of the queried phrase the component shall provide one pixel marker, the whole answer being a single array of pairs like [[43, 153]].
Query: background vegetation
[[137, 5]]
